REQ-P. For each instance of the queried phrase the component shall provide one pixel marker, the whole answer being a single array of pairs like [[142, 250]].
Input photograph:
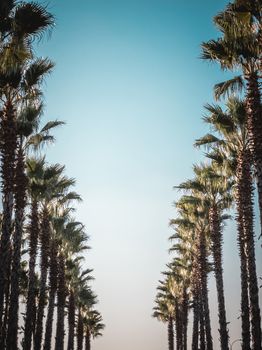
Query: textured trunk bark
[[88, 340], [177, 321], [245, 308], [196, 301], [195, 333], [61, 298], [170, 331], [20, 203], [71, 320], [53, 287], [202, 332], [6, 310], [44, 263], [203, 262], [8, 147], [33, 238], [80, 331], [185, 318], [216, 237], [246, 193], [254, 126]]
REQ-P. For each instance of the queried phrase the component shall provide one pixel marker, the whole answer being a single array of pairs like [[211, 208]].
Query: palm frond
[[207, 140], [32, 20], [36, 72], [229, 87], [51, 125]]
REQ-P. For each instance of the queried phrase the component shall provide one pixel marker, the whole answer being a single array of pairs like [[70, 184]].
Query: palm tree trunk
[[8, 149], [185, 318], [254, 127], [246, 189], [6, 313], [88, 340], [61, 298], [245, 308], [170, 331], [20, 203], [44, 241], [53, 286], [202, 332], [196, 301], [199, 273], [33, 238], [71, 320], [80, 331], [203, 263], [216, 237], [195, 333]]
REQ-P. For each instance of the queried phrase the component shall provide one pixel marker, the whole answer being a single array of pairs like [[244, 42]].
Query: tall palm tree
[[214, 188], [73, 242], [89, 320], [20, 23], [56, 188], [52, 292], [194, 214], [240, 48], [29, 135], [184, 266], [77, 279], [232, 148], [34, 173], [45, 182]]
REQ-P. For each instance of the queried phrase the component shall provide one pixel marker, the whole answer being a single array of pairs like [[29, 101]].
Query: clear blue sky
[[130, 85]]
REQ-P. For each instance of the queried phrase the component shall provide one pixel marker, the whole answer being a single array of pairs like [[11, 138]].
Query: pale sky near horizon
[[130, 85]]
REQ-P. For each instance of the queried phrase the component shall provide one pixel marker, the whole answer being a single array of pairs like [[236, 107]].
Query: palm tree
[[34, 173], [194, 215], [73, 242], [52, 292], [232, 147], [46, 183], [185, 270], [214, 188], [240, 48], [89, 320], [56, 188], [93, 326], [28, 121], [76, 279], [164, 311], [20, 23], [60, 216]]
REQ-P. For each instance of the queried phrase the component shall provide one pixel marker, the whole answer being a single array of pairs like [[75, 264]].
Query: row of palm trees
[[224, 181], [46, 300]]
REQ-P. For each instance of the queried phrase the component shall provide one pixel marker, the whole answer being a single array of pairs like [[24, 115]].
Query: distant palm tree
[[194, 214], [46, 182], [73, 239], [186, 261], [164, 311], [213, 188], [77, 279], [56, 189], [93, 326]]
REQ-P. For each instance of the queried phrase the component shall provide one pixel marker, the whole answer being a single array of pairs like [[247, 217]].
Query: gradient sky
[[130, 85]]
